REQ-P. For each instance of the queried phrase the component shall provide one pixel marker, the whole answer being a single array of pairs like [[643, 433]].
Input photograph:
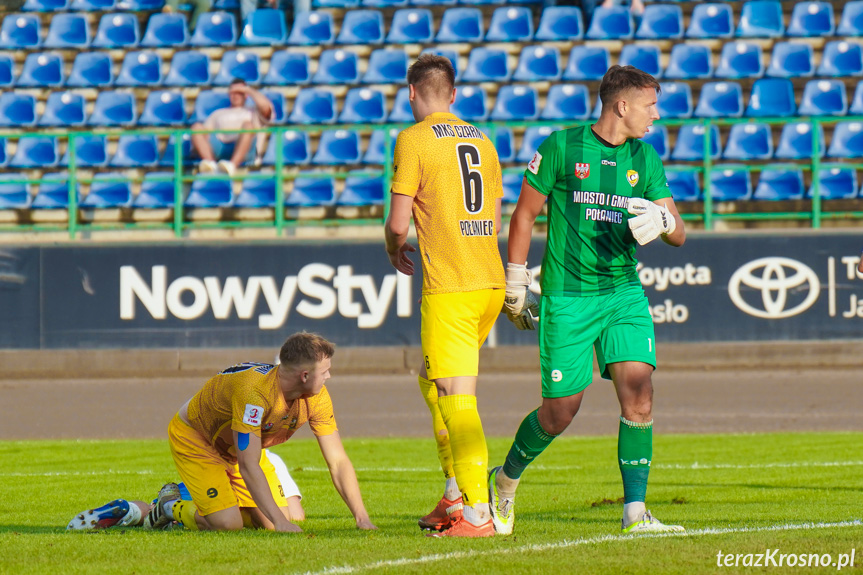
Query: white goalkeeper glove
[[519, 304], [651, 220]]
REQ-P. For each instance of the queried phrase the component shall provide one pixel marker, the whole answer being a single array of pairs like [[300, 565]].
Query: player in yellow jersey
[[217, 440], [447, 174]]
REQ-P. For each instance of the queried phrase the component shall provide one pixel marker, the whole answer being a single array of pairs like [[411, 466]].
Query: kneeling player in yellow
[[217, 440]]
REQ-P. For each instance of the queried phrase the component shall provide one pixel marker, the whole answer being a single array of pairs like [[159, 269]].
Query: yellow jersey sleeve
[[406, 166], [322, 419]]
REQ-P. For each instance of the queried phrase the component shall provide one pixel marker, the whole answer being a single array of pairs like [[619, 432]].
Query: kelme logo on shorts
[[556, 375], [212, 492]]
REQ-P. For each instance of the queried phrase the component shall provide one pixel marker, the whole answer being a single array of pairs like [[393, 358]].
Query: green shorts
[[618, 325]]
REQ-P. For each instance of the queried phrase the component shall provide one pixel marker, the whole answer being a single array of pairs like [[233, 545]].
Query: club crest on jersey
[[582, 171], [632, 177]]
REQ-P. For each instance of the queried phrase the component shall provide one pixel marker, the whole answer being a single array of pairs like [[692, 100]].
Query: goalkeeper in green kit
[[606, 191]]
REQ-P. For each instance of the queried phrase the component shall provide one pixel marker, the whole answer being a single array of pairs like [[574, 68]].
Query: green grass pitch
[[741, 494]]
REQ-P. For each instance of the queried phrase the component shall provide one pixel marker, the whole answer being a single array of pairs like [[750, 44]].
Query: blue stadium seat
[[532, 138], [185, 151], [761, 19], [503, 141], [257, 193], [387, 67], [189, 68], [401, 111], [567, 102], [209, 193], [362, 106], [295, 149], [675, 100], [483, 2], [857, 103], [140, 5], [749, 142], [511, 187], [54, 192], [644, 57], [487, 65], [560, 23], [362, 27], [684, 186], [471, 104], [338, 66], [157, 191], [207, 102], [226, 5], [791, 60], [771, 97], [730, 183], [313, 106], [336, 3], [433, 2], [17, 109], [779, 184], [823, 98], [460, 25], [384, 3], [36, 152], [163, 108], [6, 70], [41, 69], [68, 31], [45, 5], [835, 184], [242, 64], [720, 100], [658, 138], [614, 23], [313, 28], [795, 141], [311, 192], [288, 68], [538, 64], [587, 63], [362, 191], [847, 140], [689, 62], [411, 26], [4, 157], [841, 58], [280, 106], [20, 31], [740, 60], [166, 31], [90, 151], [516, 103], [713, 20], [215, 29], [142, 68], [453, 58], [689, 145], [117, 31], [63, 109], [264, 27], [811, 19], [113, 109], [338, 147], [510, 24], [661, 21], [91, 70], [135, 152], [14, 196], [851, 22], [110, 194], [375, 151], [92, 5]]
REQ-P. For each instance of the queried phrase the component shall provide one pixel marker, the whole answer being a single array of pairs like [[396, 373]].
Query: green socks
[[529, 442], [634, 452]]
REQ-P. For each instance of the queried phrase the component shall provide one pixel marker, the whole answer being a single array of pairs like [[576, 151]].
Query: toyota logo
[[774, 278]]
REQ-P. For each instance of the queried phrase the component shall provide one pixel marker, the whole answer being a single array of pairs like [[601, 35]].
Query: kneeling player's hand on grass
[[519, 303], [651, 220], [366, 524], [287, 527]]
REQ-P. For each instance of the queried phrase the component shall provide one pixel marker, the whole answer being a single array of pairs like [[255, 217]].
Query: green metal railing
[[180, 223]]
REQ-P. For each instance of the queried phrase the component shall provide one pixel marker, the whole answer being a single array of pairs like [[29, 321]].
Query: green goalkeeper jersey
[[590, 249]]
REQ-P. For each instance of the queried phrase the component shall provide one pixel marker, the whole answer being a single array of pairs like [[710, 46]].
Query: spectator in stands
[[201, 6], [231, 150]]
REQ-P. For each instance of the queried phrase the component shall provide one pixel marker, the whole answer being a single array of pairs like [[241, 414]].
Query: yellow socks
[[184, 512], [467, 442], [441, 435]]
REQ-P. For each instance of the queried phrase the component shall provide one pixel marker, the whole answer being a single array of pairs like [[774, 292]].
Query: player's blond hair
[[620, 79], [432, 75], [304, 348]]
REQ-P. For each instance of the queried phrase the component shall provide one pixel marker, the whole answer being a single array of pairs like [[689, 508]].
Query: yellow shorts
[[454, 327], [214, 483]]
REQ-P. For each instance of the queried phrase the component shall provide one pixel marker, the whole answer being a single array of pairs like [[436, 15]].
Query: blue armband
[[243, 441]]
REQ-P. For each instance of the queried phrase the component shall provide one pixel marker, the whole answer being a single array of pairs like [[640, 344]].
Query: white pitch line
[[78, 473], [383, 564]]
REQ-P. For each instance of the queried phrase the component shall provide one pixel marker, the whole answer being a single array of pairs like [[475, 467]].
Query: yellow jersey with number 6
[[452, 171]]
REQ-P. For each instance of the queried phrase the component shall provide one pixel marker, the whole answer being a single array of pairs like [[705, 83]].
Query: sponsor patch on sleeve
[[253, 414], [533, 166]]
